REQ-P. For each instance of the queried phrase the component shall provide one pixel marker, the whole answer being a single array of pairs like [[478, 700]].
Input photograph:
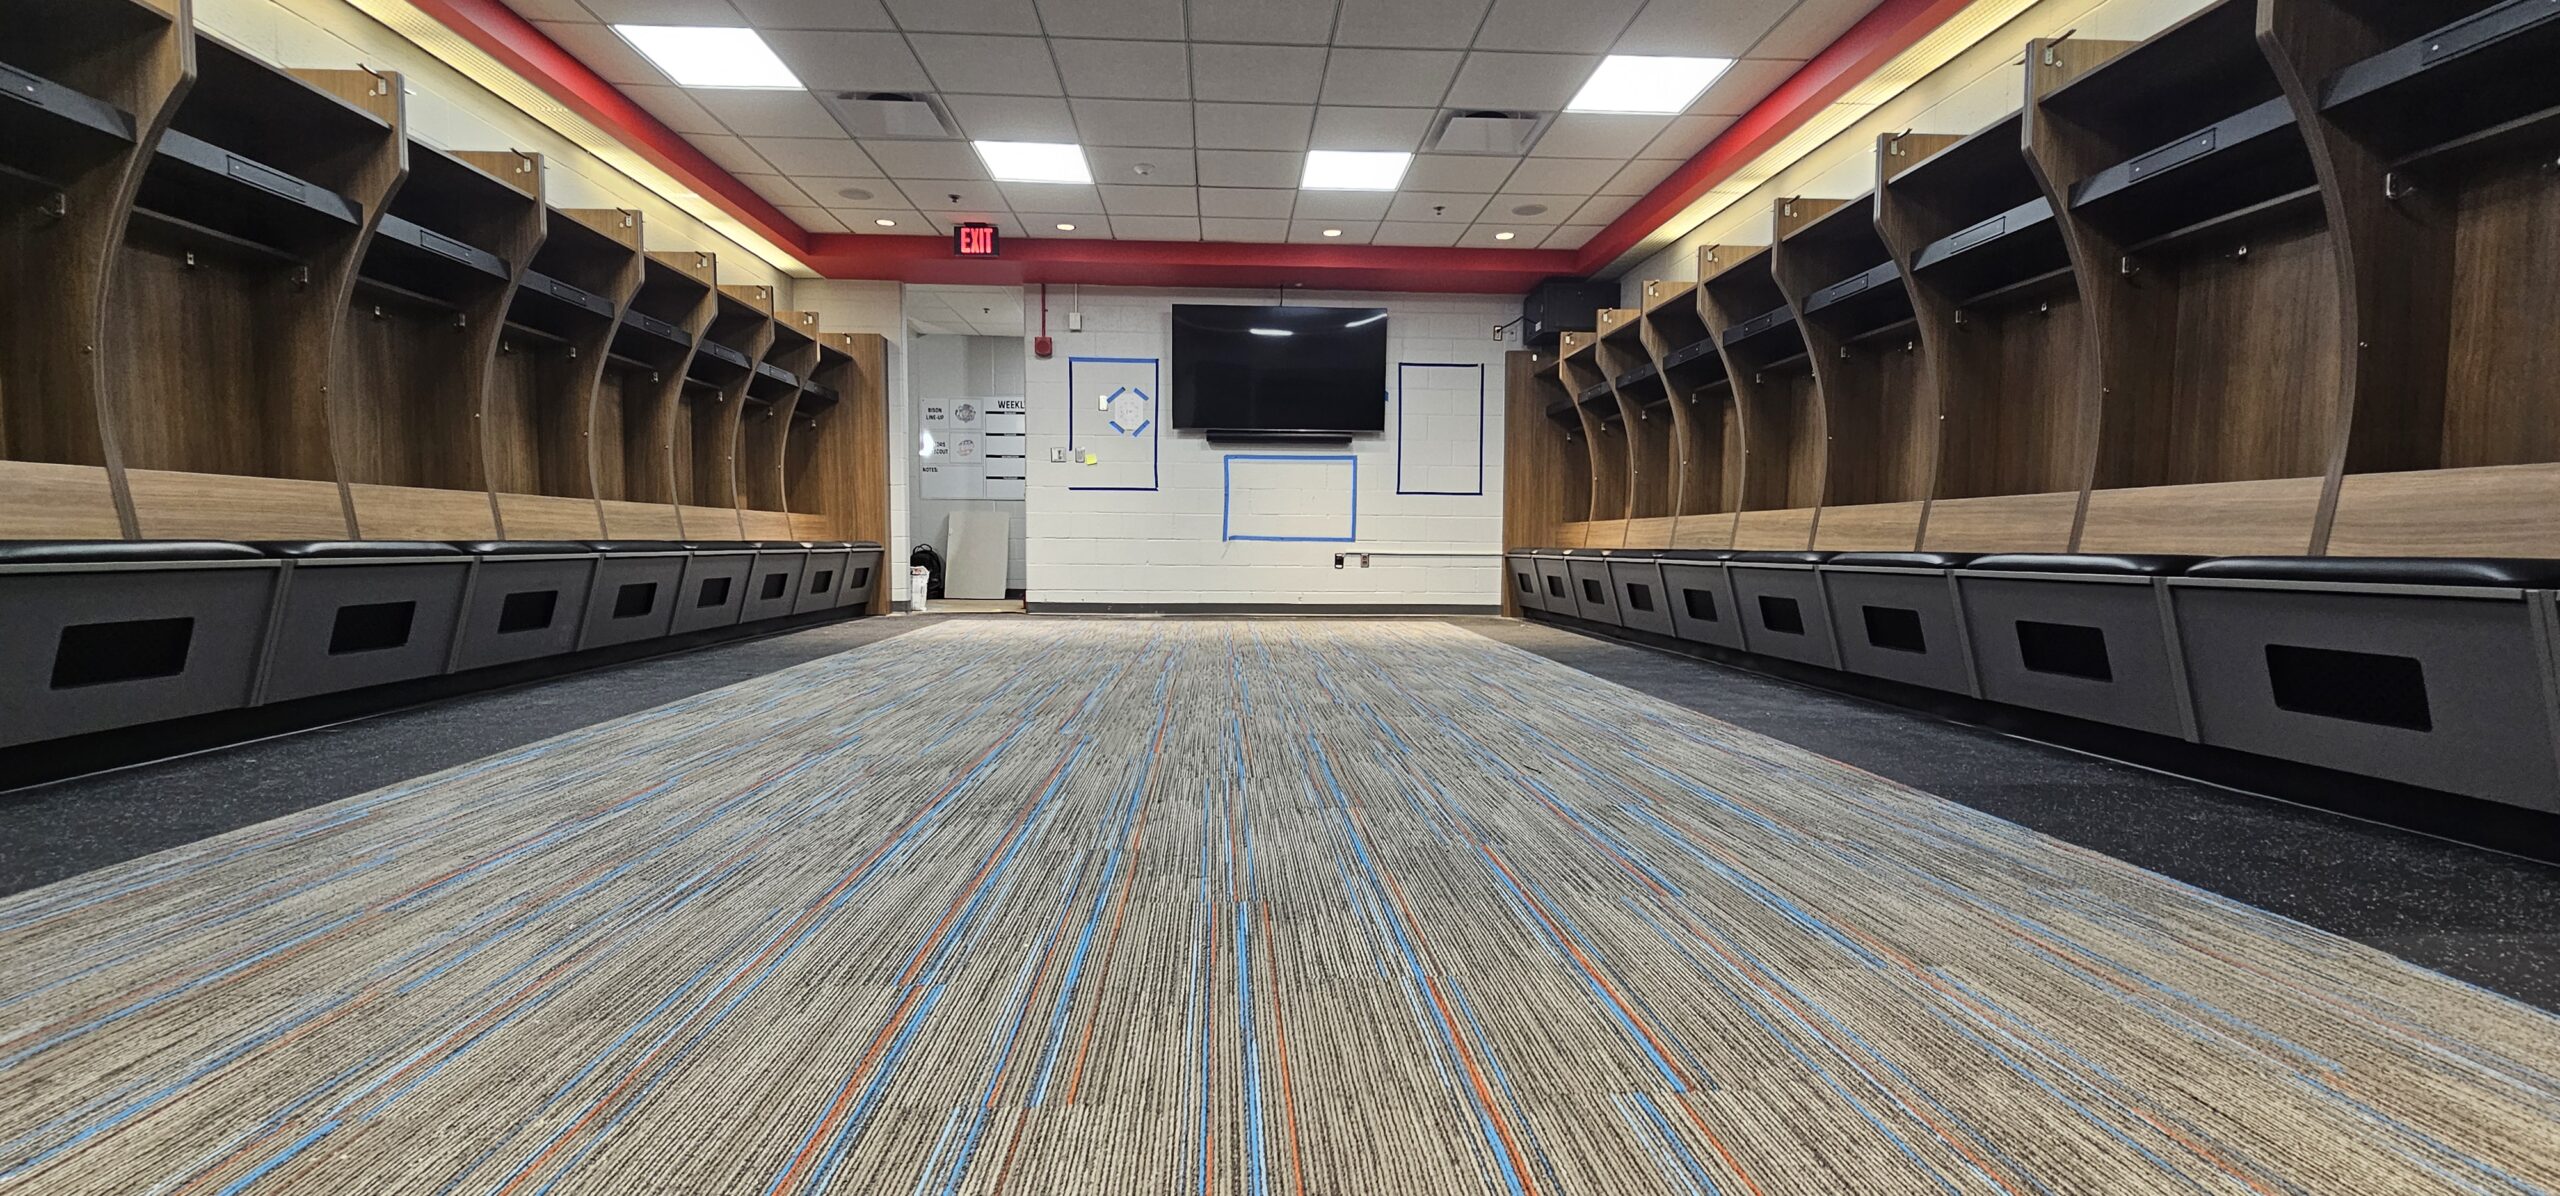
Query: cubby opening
[[1878, 420], [636, 404], [1548, 392], [1700, 395], [1773, 384], [715, 390], [1653, 475], [543, 410], [774, 397], [1603, 428]]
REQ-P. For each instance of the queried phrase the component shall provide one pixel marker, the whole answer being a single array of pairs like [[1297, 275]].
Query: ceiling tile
[[674, 107], [966, 16], [1113, 18], [1142, 123], [941, 222], [604, 52], [1601, 209], [815, 14], [1127, 70], [1262, 74], [1126, 200], [1571, 236], [1163, 167], [1534, 82], [1563, 176], [1263, 202], [1390, 78], [1012, 118], [1536, 25], [665, 12], [1045, 224], [1552, 209], [1341, 205], [1458, 172], [1444, 24], [1235, 228], [1354, 232], [925, 159], [768, 113], [1250, 168], [1811, 28], [851, 61], [1744, 85], [1702, 28], [834, 157], [1594, 135], [552, 10], [1011, 66], [1261, 21], [850, 193], [933, 196], [1525, 235], [732, 154], [865, 219], [1638, 177], [1051, 197], [816, 220], [1418, 207], [1406, 232], [776, 189], [1685, 136], [1370, 128], [1156, 228], [1252, 126]]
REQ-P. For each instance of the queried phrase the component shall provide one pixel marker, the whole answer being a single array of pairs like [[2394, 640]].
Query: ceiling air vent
[[1481, 131], [889, 114]]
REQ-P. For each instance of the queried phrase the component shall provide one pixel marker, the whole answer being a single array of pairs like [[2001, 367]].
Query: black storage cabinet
[[861, 575], [638, 584], [773, 590], [363, 612], [714, 590], [822, 580], [1595, 593], [98, 635], [2435, 672], [1555, 584], [1635, 579], [1701, 595], [1521, 568], [1778, 596], [1896, 617], [528, 600], [2089, 637]]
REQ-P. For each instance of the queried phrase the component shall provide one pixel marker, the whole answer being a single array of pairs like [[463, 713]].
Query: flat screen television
[[1306, 371]]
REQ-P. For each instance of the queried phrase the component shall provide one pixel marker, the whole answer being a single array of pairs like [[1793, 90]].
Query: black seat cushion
[[526, 548], [1783, 558], [303, 550], [720, 545], [2388, 570], [1697, 554], [863, 545], [2101, 564], [612, 546], [778, 546], [1904, 560], [117, 552]]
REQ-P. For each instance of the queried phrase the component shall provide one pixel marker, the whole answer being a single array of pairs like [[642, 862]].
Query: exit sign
[[973, 240]]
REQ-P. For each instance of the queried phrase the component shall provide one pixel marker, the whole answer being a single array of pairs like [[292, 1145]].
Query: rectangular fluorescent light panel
[[700, 56], [1633, 83], [1354, 170], [1034, 162]]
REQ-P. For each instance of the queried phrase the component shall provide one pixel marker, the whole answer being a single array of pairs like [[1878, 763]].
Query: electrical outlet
[[1337, 560], [1364, 560]]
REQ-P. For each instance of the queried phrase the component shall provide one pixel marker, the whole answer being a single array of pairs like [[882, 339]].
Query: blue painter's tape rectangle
[[1434, 409], [1287, 528]]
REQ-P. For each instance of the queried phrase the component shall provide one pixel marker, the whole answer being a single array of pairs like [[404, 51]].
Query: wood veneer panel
[[1543, 471], [711, 523], [548, 517], [1790, 530], [50, 501], [2268, 517], [1870, 527], [2003, 523], [422, 513], [765, 525], [1654, 532], [211, 506], [812, 527], [2504, 510], [640, 520], [1576, 534], [1604, 533], [1703, 531]]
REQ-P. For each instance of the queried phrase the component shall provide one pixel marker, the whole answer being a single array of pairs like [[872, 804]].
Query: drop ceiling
[[1196, 115]]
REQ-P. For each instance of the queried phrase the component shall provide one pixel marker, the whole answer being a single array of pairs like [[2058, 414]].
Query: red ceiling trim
[[1893, 27]]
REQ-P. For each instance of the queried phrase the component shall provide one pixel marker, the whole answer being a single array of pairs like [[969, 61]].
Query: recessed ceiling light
[[1035, 161], [1640, 84], [1504, 236], [885, 222], [1354, 170], [1333, 232], [1066, 228], [701, 56]]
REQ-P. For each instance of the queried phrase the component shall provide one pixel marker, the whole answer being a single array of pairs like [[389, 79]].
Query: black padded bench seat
[[362, 612], [635, 592], [638, 546], [2500, 572], [2087, 635], [528, 599], [2095, 564], [101, 634], [309, 550], [113, 552], [1896, 616], [526, 548], [1779, 597], [1764, 556], [1903, 560]]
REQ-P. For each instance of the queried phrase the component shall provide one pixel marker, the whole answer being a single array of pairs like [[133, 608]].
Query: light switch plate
[[1057, 456]]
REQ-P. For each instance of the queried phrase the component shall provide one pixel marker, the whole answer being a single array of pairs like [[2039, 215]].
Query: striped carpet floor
[[1261, 909]]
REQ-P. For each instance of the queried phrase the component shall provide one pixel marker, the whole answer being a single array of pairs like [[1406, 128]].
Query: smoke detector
[[1486, 131]]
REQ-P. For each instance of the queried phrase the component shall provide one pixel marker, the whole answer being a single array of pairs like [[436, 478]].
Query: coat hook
[[2049, 58]]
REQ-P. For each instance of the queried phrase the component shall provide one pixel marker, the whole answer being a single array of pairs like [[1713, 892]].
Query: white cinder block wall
[[1167, 546]]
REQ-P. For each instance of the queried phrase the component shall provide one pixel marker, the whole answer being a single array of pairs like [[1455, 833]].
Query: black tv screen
[[1279, 369]]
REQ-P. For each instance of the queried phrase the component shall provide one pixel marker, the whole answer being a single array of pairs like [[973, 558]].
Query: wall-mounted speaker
[[1561, 305]]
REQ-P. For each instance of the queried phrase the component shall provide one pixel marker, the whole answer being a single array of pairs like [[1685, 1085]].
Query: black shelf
[[771, 383], [817, 396], [715, 363], [653, 328], [2486, 70], [407, 256], [2189, 76], [2019, 244], [54, 133], [1644, 383], [1696, 352], [2240, 161], [195, 183], [1597, 391], [548, 305], [1869, 299], [1771, 332]]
